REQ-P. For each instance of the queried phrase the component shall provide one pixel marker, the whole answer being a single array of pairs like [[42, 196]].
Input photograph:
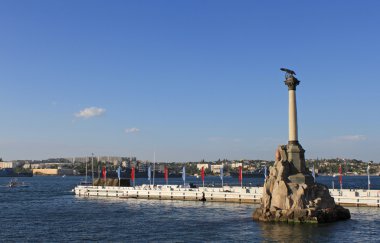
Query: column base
[[296, 156], [301, 178]]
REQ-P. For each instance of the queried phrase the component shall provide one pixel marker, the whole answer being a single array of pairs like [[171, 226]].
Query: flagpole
[[92, 167], [369, 182], [241, 176], [340, 177], [221, 174], [133, 176], [265, 173], [184, 175], [154, 165], [203, 177], [149, 174], [118, 174], [166, 174]]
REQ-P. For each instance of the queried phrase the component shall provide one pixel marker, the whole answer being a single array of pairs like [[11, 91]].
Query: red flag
[[203, 174], [240, 174], [340, 174], [104, 172], [166, 172], [133, 174]]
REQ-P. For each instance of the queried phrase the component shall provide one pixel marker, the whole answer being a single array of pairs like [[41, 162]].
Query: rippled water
[[48, 211]]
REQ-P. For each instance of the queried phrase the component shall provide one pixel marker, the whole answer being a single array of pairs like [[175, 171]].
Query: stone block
[[300, 178]]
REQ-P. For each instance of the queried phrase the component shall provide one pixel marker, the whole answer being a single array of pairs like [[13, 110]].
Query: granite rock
[[295, 202]]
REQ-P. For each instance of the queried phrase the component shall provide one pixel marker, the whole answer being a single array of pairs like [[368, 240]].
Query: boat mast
[[86, 171]]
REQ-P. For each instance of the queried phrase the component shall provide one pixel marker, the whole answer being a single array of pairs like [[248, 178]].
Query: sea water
[[48, 211]]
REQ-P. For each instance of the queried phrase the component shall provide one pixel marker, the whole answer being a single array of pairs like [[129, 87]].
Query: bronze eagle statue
[[288, 71]]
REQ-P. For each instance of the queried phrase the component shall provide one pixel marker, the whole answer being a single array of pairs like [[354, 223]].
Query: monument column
[[293, 129], [295, 152], [290, 193]]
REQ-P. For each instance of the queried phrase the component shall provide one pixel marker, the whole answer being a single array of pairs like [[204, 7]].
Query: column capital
[[291, 82]]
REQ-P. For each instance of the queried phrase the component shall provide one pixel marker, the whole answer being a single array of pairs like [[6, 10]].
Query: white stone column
[[292, 83], [293, 129]]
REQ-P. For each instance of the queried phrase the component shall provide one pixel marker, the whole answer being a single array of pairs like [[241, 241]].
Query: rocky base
[[310, 215], [291, 196]]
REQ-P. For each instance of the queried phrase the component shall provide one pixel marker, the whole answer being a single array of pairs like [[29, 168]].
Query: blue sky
[[190, 80]]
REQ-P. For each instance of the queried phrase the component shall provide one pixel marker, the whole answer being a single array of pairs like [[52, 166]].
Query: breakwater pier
[[232, 194]]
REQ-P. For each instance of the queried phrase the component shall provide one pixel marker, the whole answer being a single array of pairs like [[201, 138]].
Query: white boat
[[15, 183]]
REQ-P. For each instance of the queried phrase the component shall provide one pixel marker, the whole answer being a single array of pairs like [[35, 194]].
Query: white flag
[[369, 182], [149, 173], [265, 172], [184, 174], [118, 172]]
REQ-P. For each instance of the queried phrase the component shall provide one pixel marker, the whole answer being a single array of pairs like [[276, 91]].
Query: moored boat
[[15, 183]]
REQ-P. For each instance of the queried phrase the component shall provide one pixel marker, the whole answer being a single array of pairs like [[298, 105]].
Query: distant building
[[142, 167], [10, 164], [27, 166], [45, 171], [216, 168], [206, 166], [53, 172], [35, 166], [124, 164], [236, 165]]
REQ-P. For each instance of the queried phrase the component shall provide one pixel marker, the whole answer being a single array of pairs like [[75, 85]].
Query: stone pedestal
[[295, 197], [301, 179], [296, 157]]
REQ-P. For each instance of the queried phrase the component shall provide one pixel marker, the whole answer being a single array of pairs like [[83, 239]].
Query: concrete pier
[[170, 192], [252, 195]]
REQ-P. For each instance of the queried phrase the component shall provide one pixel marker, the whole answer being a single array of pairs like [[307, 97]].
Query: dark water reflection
[[364, 226]]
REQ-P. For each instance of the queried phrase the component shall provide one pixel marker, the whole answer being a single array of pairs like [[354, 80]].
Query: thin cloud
[[90, 112], [132, 130], [352, 138]]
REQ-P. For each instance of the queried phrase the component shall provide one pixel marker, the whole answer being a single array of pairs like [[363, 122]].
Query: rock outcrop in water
[[287, 201]]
